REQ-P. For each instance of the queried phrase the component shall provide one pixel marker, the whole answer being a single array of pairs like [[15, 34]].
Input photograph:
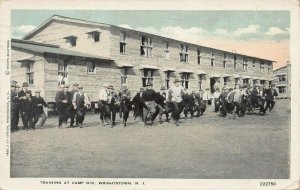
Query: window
[[281, 77], [185, 80], [200, 81], [148, 76], [167, 79], [225, 81], [146, 46], [63, 73], [235, 63], [94, 35], [29, 72], [245, 64], [199, 56], [269, 69], [253, 63], [262, 82], [184, 56], [122, 43], [245, 81], [212, 62], [262, 67], [166, 50], [124, 75], [282, 89], [236, 81], [71, 40], [225, 56], [224, 64], [91, 67]]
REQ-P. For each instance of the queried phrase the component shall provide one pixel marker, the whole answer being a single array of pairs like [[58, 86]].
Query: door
[[212, 84]]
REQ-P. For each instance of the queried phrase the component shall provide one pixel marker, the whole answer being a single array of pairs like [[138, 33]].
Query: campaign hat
[[176, 80], [25, 84]]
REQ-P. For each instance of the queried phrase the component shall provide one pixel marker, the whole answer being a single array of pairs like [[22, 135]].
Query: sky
[[262, 34]]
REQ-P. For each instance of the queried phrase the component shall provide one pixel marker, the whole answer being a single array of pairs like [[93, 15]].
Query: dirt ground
[[208, 147]]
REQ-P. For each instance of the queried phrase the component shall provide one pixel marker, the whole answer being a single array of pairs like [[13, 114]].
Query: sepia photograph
[[150, 94]]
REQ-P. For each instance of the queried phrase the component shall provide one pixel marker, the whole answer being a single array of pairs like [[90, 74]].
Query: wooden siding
[[58, 30]]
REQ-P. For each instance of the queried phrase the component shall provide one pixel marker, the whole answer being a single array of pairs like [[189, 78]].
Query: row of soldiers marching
[[147, 103]]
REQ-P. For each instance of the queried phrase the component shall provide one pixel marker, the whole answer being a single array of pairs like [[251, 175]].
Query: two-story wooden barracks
[[91, 54]]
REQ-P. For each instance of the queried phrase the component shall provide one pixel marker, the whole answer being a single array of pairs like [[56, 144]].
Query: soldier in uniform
[[38, 103], [22, 93], [125, 96], [14, 107], [175, 95], [62, 103], [27, 110], [149, 105], [104, 102], [138, 104], [72, 111], [114, 105], [269, 94], [80, 103], [160, 99]]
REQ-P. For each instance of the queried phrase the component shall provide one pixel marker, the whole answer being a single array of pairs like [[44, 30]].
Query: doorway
[[212, 84]]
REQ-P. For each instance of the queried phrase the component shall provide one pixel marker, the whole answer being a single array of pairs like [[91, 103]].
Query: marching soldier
[[14, 107], [175, 94], [22, 93], [138, 104], [114, 105], [62, 103], [160, 99], [104, 102], [72, 111], [80, 103], [38, 103], [27, 110], [150, 106], [269, 94], [125, 96]]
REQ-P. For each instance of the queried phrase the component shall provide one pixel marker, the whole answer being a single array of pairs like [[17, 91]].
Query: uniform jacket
[[148, 95], [26, 105], [38, 103], [270, 93], [60, 96], [80, 100]]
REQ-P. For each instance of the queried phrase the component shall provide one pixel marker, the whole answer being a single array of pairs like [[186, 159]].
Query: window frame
[[29, 72], [199, 56], [146, 47], [184, 53], [123, 42], [146, 77], [166, 50], [185, 79]]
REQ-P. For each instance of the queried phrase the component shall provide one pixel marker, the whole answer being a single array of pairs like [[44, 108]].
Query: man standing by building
[[14, 107], [80, 103], [114, 106], [160, 100], [269, 93], [72, 111], [150, 106], [27, 110], [125, 96], [62, 103], [175, 94], [104, 102], [38, 104]]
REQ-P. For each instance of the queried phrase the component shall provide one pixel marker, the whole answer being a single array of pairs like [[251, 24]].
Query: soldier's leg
[[160, 112], [272, 105], [24, 120], [43, 119], [145, 115]]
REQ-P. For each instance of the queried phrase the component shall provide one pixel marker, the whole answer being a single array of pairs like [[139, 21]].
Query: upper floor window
[[224, 64], [269, 69], [281, 89], [225, 56], [253, 63], [167, 51], [185, 80], [91, 67], [146, 46], [184, 54], [212, 54], [235, 63], [29, 72], [71, 40], [94, 35], [199, 56], [122, 42], [262, 67], [212, 63]]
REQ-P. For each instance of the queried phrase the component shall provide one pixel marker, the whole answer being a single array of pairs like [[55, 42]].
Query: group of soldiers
[[245, 98], [31, 108], [147, 103]]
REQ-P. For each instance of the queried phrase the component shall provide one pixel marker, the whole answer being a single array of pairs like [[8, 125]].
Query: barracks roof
[[74, 20], [51, 49]]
